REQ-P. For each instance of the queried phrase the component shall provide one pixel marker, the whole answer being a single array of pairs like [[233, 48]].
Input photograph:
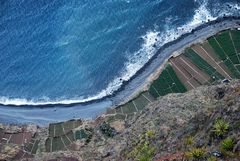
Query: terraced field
[[215, 60], [227, 49], [25, 143], [61, 136]]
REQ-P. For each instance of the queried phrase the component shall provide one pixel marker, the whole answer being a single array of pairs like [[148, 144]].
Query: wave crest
[[152, 40]]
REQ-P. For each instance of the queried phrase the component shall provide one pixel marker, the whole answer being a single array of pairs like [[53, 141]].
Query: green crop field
[[167, 82], [225, 42], [141, 102], [32, 146], [224, 48], [217, 48], [66, 140], [57, 144], [58, 130], [129, 108], [148, 96], [224, 45], [236, 39], [203, 65]]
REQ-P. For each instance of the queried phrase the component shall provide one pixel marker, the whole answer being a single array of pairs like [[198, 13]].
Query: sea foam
[[152, 40]]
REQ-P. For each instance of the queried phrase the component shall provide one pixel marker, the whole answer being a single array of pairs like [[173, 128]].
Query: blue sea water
[[72, 51]]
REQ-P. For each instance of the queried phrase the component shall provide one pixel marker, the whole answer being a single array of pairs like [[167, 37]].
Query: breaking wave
[[152, 41]]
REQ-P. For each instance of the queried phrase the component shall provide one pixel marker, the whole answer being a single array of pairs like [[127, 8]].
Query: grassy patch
[[220, 127], [196, 153], [227, 144], [212, 158], [143, 149]]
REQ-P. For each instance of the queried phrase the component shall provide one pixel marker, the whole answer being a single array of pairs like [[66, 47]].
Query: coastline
[[138, 83], [151, 70]]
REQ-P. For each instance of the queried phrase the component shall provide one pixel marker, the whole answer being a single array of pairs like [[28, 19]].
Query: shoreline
[[154, 66], [136, 84]]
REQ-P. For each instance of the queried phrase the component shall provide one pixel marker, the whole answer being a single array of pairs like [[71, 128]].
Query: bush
[[150, 134], [212, 158], [189, 141], [89, 132], [107, 130], [85, 133], [147, 152], [227, 144], [220, 127], [196, 153], [143, 149]]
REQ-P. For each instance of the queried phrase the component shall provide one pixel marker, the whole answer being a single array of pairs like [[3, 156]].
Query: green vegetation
[[224, 48], [150, 134], [80, 134], [107, 130], [146, 152], [212, 41], [86, 133], [143, 152], [148, 96], [236, 39], [129, 108], [143, 149], [227, 144], [57, 144], [189, 141], [60, 142], [203, 65], [226, 43], [212, 158], [221, 127], [141, 102], [59, 129], [32, 147], [55, 130], [135, 105], [167, 82], [196, 153]]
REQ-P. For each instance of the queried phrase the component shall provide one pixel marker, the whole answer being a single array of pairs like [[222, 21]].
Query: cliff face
[[202, 124], [179, 125]]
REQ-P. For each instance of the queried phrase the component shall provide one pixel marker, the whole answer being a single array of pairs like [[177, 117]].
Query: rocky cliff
[[202, 124]]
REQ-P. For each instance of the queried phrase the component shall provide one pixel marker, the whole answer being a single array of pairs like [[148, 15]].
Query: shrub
[[86, 133], [212, 158], [189, 141], [143, 148], [150, 134], [107, 130], [196, 153], [143, 151], [89, 132], [220, 127], [227, 144], [147, 152]]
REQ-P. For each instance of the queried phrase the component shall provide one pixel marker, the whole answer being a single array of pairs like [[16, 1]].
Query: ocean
[[75, 51]]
